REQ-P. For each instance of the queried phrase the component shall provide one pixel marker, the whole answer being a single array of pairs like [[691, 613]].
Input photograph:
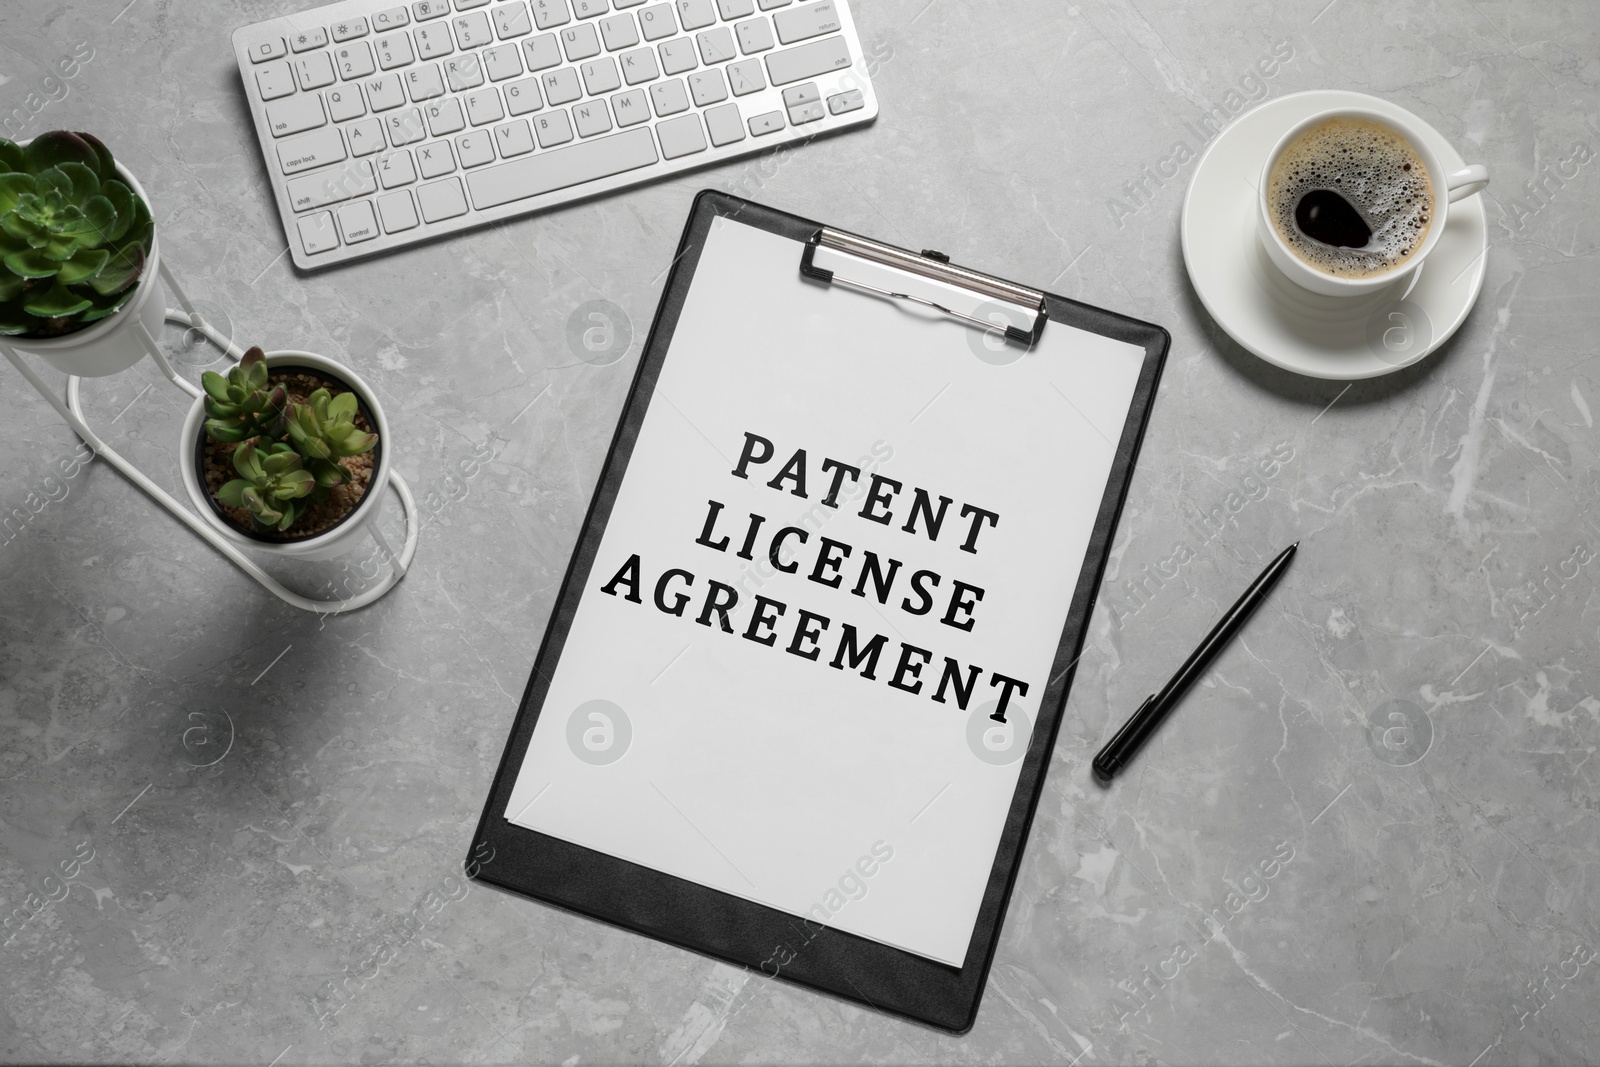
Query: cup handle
[[1467, 181]]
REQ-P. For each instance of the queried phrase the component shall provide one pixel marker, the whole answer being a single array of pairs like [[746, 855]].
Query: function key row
[[801, 22]]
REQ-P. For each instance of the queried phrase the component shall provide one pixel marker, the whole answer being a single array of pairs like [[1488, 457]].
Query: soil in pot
[[320, 517]]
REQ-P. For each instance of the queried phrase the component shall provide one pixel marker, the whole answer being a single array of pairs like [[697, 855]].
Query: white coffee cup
[[1448, 187]]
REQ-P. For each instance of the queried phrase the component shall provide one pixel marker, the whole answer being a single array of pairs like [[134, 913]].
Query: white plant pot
[[112, 344], [330, 543]]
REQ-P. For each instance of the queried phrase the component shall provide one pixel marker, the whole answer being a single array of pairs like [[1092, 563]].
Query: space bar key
[[562, 167]]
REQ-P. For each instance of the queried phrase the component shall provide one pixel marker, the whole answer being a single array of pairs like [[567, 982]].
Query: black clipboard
[[731, 928]]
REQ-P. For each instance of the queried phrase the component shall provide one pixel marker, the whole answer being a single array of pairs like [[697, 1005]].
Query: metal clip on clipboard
[[935, 266]]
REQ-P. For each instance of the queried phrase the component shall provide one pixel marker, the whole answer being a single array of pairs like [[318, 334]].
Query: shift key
[[331, 185], [806, 21], [808, 60]]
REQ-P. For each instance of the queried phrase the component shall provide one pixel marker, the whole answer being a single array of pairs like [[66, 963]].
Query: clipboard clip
[[935, 266]]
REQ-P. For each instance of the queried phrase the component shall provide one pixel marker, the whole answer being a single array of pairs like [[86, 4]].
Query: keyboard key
[[433, 41], [294, 115], [541, 52], [394, 49], [475, 149], [682, 136], [465, 72], [430, 9], [707, 87], [424, 83], [545, 172], [357, 222], [553, 128], [502, 62], [619, 31], [669, 98], [271, 48], [392, 19], [483, 107], [796, 95], [580, 41], [522, 96], [317, 233], [639, 66], [323, 187], [306, 40], [854, 100], [600, 76], [631, 108], [384, 92], [620, 4], [354, 60], [761, 125], [472, 31], [592, 118], [746, 77], [444, 117], [397, 212], [366, 137], [716, 46], [768, 5], [464, 5], [404, 127], [808, 60], [395, 169], [695, 15], [316, 149], [588, 9], [657, 22], [561, 86], [807, 21], [803, 102], [274, 80], [435, 159], [513, 138], [441, 200], [548, 13], [677, 56], [725, 125], [511, 20], [349, 29], [344, 103], [735, 9], [314, 70], [754, 36]]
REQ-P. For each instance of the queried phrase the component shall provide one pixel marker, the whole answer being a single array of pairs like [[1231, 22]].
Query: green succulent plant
[[287, 452], [323, 430], [240, 405], [273, 484], [74, 239]]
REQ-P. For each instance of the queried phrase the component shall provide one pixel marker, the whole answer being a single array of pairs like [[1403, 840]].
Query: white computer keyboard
[[386, 125]]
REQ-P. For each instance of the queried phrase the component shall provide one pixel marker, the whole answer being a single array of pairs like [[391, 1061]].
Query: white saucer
[[1326, 337]]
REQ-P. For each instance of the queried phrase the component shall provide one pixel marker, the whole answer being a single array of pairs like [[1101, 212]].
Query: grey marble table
[[1384, 795]]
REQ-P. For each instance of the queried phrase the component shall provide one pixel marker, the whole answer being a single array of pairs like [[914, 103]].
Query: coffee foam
[[1372, 167]]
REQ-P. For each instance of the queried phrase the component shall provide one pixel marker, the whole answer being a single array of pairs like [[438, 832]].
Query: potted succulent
[[76, 241], [285, 452]]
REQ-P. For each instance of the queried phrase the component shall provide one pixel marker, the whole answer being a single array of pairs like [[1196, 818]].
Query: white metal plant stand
[[71, 411]]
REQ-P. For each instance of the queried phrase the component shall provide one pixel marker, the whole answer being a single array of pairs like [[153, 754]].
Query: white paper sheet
[[778, 778]]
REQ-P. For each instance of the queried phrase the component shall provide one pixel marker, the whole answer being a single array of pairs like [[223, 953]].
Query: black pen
[[1138, 729]]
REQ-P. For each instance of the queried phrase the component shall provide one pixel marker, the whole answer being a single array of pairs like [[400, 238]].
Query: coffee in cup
[[1351, 197]]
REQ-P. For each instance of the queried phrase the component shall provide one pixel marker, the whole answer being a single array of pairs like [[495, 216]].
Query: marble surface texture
[[1387, 788]]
